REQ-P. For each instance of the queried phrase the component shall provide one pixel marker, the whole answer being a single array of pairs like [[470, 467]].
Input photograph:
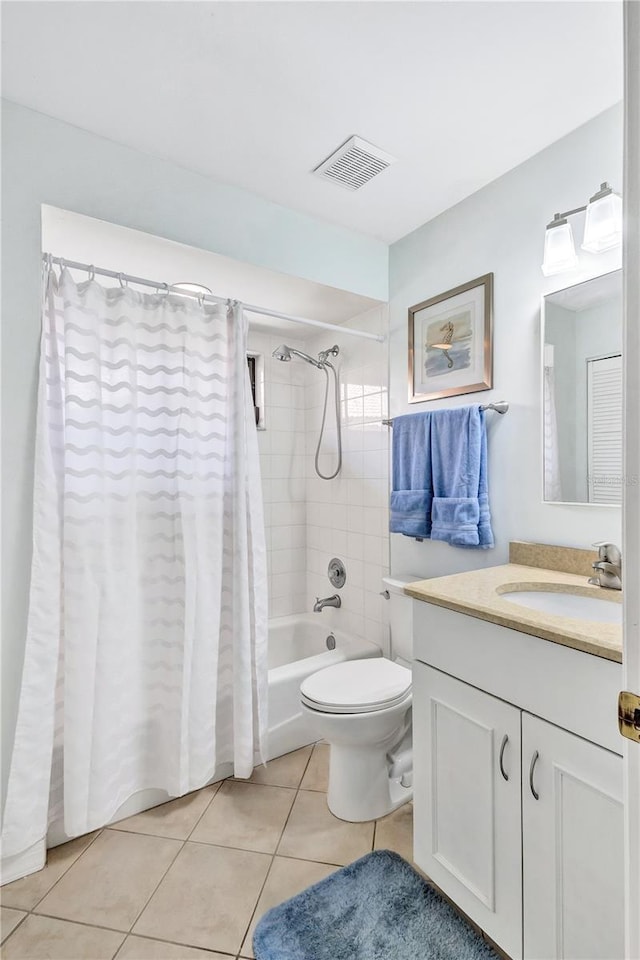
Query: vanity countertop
[[484, 594]]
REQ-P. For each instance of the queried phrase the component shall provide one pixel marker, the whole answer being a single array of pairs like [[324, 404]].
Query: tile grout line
[[178, 852], [100, 926], [17, 926], [114, 828], [274, 854], [82, 923], [31, 911], [125, 934], [64, 872], [227, 846]]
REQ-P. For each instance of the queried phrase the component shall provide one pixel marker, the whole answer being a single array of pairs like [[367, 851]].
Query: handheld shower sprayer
[[285, 353]]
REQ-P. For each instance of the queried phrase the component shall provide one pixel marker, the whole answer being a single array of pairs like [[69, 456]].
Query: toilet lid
[[357, 686]]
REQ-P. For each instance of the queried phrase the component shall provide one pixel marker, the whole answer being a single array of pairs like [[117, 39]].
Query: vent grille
[[354, 164]]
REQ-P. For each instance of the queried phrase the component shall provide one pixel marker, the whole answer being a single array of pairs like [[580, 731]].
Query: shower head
[[283, 352]]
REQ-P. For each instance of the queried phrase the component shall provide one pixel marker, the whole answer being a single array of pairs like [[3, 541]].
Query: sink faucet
[[333, 601], [608, 566]]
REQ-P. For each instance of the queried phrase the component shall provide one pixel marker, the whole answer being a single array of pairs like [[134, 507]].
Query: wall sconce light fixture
[[602, 231]]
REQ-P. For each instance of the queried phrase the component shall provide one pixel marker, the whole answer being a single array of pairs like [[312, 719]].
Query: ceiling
[[256, 94]]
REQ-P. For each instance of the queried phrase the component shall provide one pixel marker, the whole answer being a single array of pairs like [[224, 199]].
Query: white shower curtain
[[145, 661]]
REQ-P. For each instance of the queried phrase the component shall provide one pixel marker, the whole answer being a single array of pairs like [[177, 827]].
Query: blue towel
[[460, 509], [412, 490]]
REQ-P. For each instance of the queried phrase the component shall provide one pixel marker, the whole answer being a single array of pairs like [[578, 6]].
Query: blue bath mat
[[377, 908]]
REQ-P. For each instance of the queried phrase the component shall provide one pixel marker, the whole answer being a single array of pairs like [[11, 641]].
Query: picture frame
[[451, 342]]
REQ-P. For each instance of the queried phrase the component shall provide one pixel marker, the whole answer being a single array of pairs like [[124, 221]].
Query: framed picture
[[450, 342]]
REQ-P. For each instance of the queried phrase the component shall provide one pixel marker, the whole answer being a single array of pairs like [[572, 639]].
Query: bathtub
[[298, 648]]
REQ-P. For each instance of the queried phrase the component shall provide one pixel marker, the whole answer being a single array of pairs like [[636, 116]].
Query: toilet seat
[[357, 686]]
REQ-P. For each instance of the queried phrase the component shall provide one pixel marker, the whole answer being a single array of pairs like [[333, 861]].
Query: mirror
[[582, 392]]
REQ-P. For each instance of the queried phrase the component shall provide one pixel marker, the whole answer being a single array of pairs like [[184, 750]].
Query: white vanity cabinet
[[467, 824], [541, 875], [573, 853]]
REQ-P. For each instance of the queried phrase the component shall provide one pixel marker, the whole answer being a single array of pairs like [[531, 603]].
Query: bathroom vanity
[[518, 760]]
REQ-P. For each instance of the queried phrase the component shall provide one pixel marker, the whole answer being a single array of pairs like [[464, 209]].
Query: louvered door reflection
[[604, 429]]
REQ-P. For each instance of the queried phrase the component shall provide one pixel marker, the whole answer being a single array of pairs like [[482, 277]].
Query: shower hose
[[330, 476]]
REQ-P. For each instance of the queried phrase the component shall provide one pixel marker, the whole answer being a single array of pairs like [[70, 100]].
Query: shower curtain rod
[[209, 297]]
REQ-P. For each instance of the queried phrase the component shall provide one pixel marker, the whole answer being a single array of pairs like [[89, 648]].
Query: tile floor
[[191, 878]]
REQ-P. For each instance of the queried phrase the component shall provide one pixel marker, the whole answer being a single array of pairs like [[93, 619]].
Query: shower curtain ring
[[123, 283], [92, 272]]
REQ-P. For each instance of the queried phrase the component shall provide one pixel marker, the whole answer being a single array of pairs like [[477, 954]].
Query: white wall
[[348, 517], [46, 161], [500, 230]]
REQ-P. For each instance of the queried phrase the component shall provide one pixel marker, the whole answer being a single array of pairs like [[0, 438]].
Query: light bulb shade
[[603, 224], [559, 249]]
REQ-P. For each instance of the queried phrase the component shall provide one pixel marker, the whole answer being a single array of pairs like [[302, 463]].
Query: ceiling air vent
[[354, 164]]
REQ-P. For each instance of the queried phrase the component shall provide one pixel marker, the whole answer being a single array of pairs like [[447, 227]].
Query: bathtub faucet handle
[[385, 594]]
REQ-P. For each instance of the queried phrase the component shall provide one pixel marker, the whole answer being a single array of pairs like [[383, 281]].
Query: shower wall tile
[[309, 520], [348, 517]]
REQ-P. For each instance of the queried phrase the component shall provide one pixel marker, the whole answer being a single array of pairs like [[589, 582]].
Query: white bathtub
[[298, 648]]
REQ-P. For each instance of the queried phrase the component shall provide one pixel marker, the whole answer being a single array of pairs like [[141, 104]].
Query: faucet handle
[[608, 551]]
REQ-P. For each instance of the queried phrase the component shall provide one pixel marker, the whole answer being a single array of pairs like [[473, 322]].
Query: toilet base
[[360, 787], [370, 759]]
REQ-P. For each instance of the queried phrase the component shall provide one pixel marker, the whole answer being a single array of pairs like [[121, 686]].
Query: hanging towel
[[412, 490], [460, 509]]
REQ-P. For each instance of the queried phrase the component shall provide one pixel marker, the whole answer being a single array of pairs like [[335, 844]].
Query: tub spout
[[333, 601]]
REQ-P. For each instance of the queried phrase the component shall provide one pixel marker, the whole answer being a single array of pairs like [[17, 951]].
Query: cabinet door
[[573, 846], [467, 796]]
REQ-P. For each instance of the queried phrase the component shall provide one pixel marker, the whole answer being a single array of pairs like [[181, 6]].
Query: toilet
[[362, 708]]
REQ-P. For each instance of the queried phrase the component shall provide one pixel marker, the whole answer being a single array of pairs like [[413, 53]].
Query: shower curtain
[[145, 662]]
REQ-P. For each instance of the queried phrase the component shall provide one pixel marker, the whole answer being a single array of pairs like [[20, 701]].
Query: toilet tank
[[400, 617]]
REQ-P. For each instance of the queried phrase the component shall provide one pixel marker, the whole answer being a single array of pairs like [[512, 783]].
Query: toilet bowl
[[362, 708]]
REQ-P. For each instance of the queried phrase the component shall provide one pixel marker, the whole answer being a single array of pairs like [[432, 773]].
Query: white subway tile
[[373, 571], [280, 561], [298, 537], [376, 632], [355, 546], [355, 519], [355, 573], [355, 623], [280, 584], [339, 516], [373, 602], [298, 512]]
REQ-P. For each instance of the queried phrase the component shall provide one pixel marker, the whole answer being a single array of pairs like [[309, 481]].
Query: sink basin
[[573, 605]]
